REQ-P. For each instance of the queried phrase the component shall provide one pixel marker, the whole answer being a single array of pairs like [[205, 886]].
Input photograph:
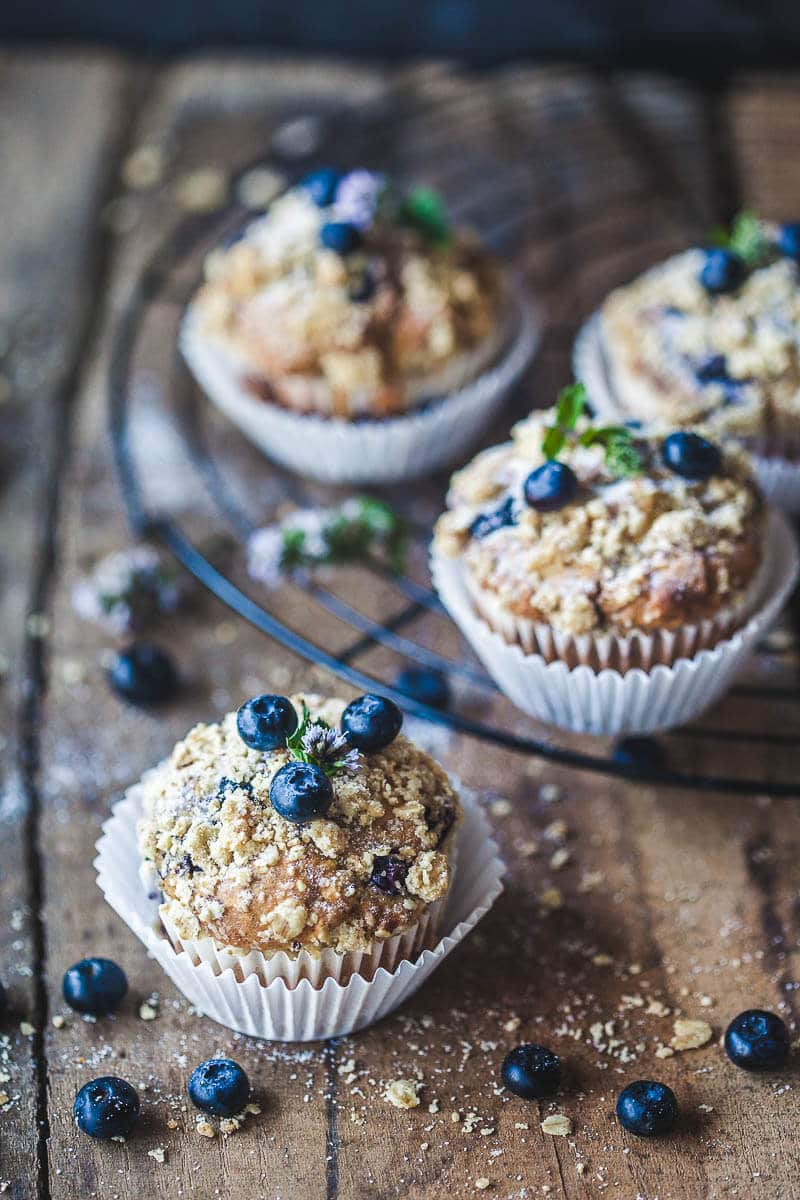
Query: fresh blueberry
[[265, 722], [388, 873], [95, 986], [321, 185], [143, 674], [106, 1107], [550, 487], [647, 1108], [531, 1071], [487, 523], [641, 752], [757, 1040], [371, 722], [363, 288], [220, 1087], [691, 456], [425, 684], [713, 369], [340, 236], [789, 240], [723, 271], [301, 792]]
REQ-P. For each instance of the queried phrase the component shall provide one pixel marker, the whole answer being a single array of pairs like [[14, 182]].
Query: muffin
[[602, 568], [272, 833], [710, 339], [345, 310]]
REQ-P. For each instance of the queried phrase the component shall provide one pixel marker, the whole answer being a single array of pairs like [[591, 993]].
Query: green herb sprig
[[317, 743], [621, 455], [745, 238]]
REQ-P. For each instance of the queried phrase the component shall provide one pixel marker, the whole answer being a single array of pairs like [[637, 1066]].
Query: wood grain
[[671, 902]]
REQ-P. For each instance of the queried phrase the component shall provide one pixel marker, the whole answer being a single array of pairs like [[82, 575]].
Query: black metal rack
[[167, 281]]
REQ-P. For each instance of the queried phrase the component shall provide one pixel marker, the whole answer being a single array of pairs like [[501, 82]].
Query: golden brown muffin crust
[[232, 869], [652, 552]]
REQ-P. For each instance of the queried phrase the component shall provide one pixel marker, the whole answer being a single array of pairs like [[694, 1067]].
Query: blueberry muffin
[[352, 299], [299, 825], [712, 338], [620, 552]]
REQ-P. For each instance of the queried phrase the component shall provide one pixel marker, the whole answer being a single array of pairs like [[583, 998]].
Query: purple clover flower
[[358, 197]]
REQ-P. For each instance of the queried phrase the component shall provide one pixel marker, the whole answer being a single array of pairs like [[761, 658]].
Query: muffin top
[[349, 298], [233, 869], [710, 338], [595, 543]]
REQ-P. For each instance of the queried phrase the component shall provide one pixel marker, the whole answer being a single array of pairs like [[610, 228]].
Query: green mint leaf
[[293, 546], [570, 405], [553, 442], [294, 743], [622, 457], [747, 238], [424, 208]]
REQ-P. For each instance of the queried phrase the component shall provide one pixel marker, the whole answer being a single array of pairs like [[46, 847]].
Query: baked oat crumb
[[205, 1128], [159, 1154], [403, 1093], [690, 1034], [557, 1125], [482, 1183]]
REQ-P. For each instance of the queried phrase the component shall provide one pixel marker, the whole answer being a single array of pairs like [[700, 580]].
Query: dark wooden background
[[670, 900]]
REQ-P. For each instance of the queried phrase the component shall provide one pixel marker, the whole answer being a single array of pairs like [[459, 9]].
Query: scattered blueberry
[[265, 722], [95, 986], [487, 523], [723, 271], [425, 684], [388, 873], [550, 487], [301, 792], [691, 456], [321, 185], [143, 674], [713, 369], [789, 240], [757, 1041], [340, 236], [371, 722], [647, 1108], [220, 1087], [363, 288], [642, 752], [106, 1107], [531, 1071]]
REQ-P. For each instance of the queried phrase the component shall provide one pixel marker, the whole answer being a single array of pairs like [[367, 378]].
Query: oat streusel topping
[[650, 552], [678, 355], [233, 870], [291, 313]]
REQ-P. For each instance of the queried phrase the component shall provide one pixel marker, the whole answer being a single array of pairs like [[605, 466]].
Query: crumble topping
[[730, 363], [232, 869], [654, 551], [372, 332]]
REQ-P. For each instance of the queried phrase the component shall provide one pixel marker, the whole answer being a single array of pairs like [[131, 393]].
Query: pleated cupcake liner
[[236, 992], [608, 701], [778, 475], [388, 450]]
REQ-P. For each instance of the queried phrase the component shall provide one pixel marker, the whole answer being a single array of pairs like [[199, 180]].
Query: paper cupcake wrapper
[[277, 1010], [607, 701], [377, 451], [777, 476]]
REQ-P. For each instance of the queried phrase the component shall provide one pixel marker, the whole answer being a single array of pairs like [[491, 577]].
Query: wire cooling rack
[[144, 349]]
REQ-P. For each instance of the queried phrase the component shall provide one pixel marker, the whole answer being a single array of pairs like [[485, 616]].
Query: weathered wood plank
[[57, 117]]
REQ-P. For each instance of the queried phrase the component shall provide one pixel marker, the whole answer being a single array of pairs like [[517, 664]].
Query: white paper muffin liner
[[234, 991], [613, 702], [778, 477], [378, 451]]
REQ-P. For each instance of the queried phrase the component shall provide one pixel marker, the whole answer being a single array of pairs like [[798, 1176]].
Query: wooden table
[[672, 900]]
